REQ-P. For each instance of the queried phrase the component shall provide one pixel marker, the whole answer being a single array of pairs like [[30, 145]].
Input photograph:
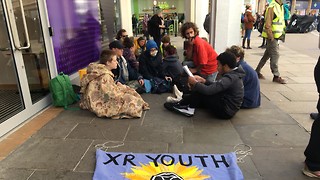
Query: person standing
[[156, 25], [135, 22], [248, 24], [312, 161], [274, 30]]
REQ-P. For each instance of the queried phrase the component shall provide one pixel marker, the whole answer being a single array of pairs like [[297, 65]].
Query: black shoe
[[184, 109], [169, 105], [314, 116]]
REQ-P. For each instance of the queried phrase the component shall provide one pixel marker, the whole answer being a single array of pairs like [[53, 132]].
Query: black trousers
[[317, 79], [312, 151], [214, 103]]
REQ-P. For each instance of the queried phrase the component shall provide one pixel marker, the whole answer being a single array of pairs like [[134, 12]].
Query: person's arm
[[250, 17], [215, 87], [200, 53], [143, 67], [268, 23], [108, 87]]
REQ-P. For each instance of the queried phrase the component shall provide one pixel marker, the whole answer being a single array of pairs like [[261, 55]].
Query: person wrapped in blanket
[[102, 96]]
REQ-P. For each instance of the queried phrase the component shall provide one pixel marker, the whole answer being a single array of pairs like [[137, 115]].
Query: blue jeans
[[247, 34]]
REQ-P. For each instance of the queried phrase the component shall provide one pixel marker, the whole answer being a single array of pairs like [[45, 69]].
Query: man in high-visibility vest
[[273, 30]]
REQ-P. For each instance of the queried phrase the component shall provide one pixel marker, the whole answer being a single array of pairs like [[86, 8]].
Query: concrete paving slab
[[51, 154], [203, 119], [158, 117], [154, 134], [297, 107], [55, 130], [266, 103], [303, 87], [279, 163], [262, 116], [303, 80], [302, 73], [304, 120], [68, 116], [298, 96], [273, 135], [275, 96], [15, 173], [63, 175], [87, 163], [272, 87], [98, 131], [212, 135]]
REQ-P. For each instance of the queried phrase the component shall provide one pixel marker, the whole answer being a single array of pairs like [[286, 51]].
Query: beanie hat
[[151, 44]]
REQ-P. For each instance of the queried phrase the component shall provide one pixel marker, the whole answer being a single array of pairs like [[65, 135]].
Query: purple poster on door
[[76, 33]]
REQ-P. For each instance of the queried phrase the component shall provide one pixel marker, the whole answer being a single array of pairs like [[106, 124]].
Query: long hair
[[119, 34], [187, 26]]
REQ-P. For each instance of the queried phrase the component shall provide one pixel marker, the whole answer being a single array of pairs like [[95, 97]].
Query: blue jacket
[[251, 85]]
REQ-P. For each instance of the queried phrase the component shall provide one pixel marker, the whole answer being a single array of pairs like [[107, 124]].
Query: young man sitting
[[223, 97]]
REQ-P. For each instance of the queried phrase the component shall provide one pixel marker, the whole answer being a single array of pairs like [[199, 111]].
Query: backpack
[[206, 24], [62, 92], [159, 85], [242, 17]]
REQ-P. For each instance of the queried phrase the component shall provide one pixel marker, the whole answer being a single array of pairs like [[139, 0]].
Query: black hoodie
[[172, 66]]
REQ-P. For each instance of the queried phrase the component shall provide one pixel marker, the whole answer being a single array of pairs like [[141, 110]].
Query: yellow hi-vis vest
[[278, 24]]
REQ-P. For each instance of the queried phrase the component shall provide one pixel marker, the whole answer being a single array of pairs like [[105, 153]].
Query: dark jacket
[[149, 66], [153, 26], [172, 67], [131, 58], [251, 85], [230, 84], [118, 73]]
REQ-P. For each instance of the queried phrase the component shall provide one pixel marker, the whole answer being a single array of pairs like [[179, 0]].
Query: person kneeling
[[104, 97], [222, 97]]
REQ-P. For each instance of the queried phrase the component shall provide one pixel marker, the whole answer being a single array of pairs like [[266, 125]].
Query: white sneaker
[[177, 93], [171, 99]]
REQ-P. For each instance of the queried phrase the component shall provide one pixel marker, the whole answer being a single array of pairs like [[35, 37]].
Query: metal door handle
[[13, 25]]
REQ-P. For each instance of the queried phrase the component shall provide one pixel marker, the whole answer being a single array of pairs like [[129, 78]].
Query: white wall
[[228, 24], [126, 14], [196, 11]]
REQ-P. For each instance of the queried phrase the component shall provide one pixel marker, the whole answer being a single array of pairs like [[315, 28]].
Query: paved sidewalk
[[277, 132]]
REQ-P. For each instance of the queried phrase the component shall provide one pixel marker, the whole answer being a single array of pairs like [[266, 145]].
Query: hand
[[119, 83], [200, 79], [192, 81], [141, 82], [168, 78]]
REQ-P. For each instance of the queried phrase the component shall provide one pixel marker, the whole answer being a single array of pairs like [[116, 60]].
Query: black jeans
[[214, 103], [317, 79], [312, 151]]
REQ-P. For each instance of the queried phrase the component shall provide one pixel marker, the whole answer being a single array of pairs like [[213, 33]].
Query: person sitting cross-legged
[[125, 73], [252, 97], [106, 98], [222, 97]]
